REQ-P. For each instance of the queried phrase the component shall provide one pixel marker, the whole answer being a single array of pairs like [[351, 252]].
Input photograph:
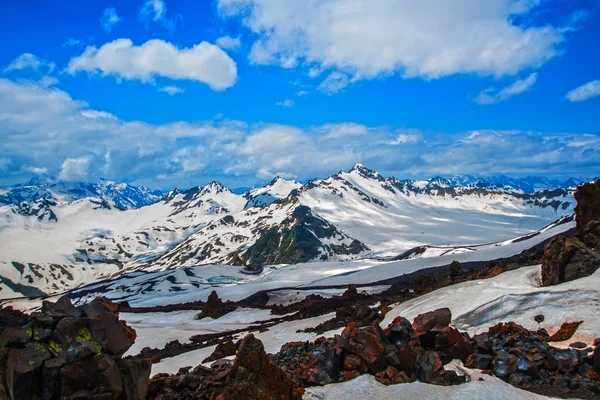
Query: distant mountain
[[120, 195], [56, 236]]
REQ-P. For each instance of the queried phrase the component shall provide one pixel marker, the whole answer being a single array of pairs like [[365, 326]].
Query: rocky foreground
[[64, 352]]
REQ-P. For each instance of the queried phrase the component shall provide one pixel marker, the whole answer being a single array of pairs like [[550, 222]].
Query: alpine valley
[[57, 236]]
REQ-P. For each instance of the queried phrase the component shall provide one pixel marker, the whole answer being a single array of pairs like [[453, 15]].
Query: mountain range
[[56, 236]]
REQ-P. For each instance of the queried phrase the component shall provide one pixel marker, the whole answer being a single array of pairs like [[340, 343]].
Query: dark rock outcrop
[[588, 204], [65, 352], [215, 307], [566, 259]]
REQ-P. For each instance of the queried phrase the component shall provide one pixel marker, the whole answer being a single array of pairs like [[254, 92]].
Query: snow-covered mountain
[[119, 195], [277, 189], [60, 242]]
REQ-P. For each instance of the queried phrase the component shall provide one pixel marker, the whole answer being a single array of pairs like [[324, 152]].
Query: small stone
[[539, 318]]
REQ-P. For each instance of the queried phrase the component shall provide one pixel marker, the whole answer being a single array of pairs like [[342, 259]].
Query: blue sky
[[172, 93]]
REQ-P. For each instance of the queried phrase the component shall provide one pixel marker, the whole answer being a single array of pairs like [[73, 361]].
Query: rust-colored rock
[[433, 321], [222, 350], [566, 331], [391, 376], [255, 377], [370, 344]]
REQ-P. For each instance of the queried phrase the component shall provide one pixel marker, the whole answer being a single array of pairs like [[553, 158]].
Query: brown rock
[[15, 336], [588, 201], [222, 350], [352, 362], [433, 321], [391, 376], [135, 374], [62, 308], [566, 331], [566, 259], [539, 318], [255, 377], [370, 344], [113, 335]]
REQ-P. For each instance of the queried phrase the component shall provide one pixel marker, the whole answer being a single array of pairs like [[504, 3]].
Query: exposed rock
[[254, 376], [433, 321], [222, 350], [60, 354], [591, 235], [215, 307], [370, 344], [566, 331], [588, 201], [539, 318], [566, 259], [455, 269]]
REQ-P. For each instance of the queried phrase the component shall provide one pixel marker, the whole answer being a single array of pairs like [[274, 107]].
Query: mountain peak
[[366, 172]]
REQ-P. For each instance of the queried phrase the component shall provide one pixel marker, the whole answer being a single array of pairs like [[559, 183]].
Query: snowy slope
[[119, 195], [277, 189], [54, 245]]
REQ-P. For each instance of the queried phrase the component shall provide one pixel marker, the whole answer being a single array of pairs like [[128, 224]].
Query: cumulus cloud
[[492, 95], [29, 61], [334, 82], [584, 92], [203, 62], [74, 169], [34, 170], [171, 90], [229, 43], [286, 103], [46, 128], [155, 11], [109, 19], [368, 39]]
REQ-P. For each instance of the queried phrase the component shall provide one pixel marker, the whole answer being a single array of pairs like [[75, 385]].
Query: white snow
[[366, 387], [513, 296]]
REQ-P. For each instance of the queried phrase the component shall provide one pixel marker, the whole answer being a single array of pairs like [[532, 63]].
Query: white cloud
[[407, 138], [229, 43], [156, 11], [337, 131], [492, 96], [46, 128], [204, 62], [34, 170], [368, 39], [171, 90], [29, 61], [286, 103], [584, 92], [109, 19], [70, 42], [74, 169], [334, 83], [301, 93]]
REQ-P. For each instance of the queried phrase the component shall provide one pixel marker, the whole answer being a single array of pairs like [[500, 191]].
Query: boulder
[[433, 321], [14, 335], [370, 344], [222, 350], [391, 376], [566, 331], [62, 308], [113, 335], [91, 376], [24, 371], [253, 376], [566, 259], [135, 374], [588, 204]]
